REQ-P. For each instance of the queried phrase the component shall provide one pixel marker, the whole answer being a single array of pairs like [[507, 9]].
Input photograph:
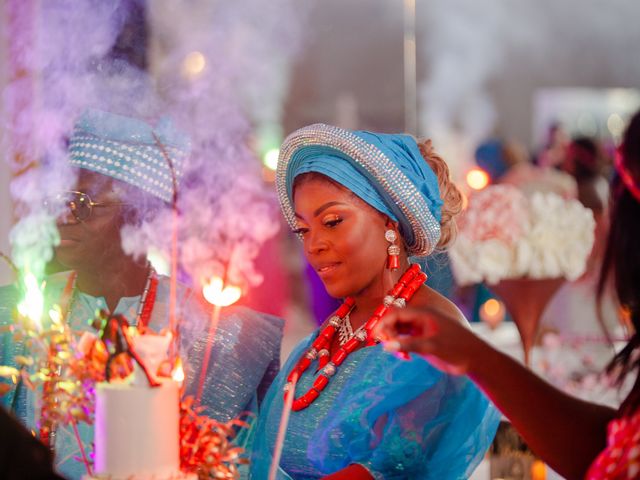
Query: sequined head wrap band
[[386, 171], [130, 150]]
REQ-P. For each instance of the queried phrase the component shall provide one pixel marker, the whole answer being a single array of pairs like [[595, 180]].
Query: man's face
[[91, 242]]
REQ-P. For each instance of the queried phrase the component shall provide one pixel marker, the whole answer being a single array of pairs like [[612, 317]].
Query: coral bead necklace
[[398, 296]]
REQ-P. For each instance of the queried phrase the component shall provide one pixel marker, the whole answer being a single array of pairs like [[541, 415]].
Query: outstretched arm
[[567, 433]]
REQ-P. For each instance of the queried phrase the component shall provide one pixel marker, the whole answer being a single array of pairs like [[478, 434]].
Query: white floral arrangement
[[505, 234]]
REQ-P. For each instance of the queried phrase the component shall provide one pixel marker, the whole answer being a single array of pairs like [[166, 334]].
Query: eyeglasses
[[79, 205]]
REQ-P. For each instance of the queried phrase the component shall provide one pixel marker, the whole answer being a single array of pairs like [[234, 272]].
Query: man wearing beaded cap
[[126, 169], [363, 204]]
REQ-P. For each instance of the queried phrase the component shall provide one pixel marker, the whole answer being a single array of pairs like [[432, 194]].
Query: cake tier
[[137, 431], [173, 476]]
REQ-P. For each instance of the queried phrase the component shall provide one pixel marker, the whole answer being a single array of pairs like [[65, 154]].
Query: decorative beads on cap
[[129, 150]]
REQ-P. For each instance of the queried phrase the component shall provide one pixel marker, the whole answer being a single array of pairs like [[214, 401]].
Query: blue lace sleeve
[[399, 419], [244, 348]]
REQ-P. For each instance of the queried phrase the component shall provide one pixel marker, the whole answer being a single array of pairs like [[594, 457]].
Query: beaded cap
[[129, 150], [391, 165]]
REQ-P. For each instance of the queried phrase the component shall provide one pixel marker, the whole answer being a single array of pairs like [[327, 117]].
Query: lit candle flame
[[178, 372], [217, 294], [33, 304]]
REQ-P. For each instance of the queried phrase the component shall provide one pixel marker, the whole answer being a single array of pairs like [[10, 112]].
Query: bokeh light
[[492, 312], [615, 124], [194, 64], [477, 178], [270, 158], [159, 261]]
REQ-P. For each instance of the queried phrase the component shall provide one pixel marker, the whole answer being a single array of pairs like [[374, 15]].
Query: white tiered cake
[[137, 426], [137, 432]]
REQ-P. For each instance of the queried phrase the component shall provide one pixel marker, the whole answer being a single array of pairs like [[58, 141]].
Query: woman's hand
[[567, 433], [444, 340]]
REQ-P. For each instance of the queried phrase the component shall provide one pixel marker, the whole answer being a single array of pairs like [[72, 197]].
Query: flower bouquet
[[523, 248]]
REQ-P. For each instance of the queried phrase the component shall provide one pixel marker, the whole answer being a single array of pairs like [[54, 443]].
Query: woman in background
[[363, 204]]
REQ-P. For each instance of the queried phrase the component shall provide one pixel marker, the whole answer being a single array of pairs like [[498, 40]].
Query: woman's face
[[90, 243], [343, 237]]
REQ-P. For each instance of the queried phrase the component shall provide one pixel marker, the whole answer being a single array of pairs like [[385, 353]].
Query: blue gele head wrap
[[385, 170], [130, 150]]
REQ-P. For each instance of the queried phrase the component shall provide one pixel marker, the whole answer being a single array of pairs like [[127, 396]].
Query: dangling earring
[[393, 259]]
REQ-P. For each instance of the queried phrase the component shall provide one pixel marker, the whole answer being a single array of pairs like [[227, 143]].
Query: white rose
[[561, 237], [580, 241], [523, 259], [494, 260]]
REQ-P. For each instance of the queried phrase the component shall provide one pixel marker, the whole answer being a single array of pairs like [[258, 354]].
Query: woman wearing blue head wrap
[[123, 171], [363, 204]]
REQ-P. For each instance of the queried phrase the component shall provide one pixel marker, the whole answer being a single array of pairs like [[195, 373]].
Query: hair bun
[[451, 196]]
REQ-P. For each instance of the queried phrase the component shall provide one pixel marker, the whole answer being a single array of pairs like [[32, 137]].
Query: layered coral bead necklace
[[398, 296]]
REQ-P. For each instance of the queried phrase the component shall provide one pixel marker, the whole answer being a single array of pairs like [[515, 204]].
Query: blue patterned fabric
[[399, 419], [244, 361]]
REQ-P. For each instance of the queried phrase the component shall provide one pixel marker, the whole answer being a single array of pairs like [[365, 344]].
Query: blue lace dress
[[399, 419], [244, 360]]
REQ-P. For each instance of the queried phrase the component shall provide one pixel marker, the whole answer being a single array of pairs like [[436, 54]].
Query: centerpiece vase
[[526, 299]]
